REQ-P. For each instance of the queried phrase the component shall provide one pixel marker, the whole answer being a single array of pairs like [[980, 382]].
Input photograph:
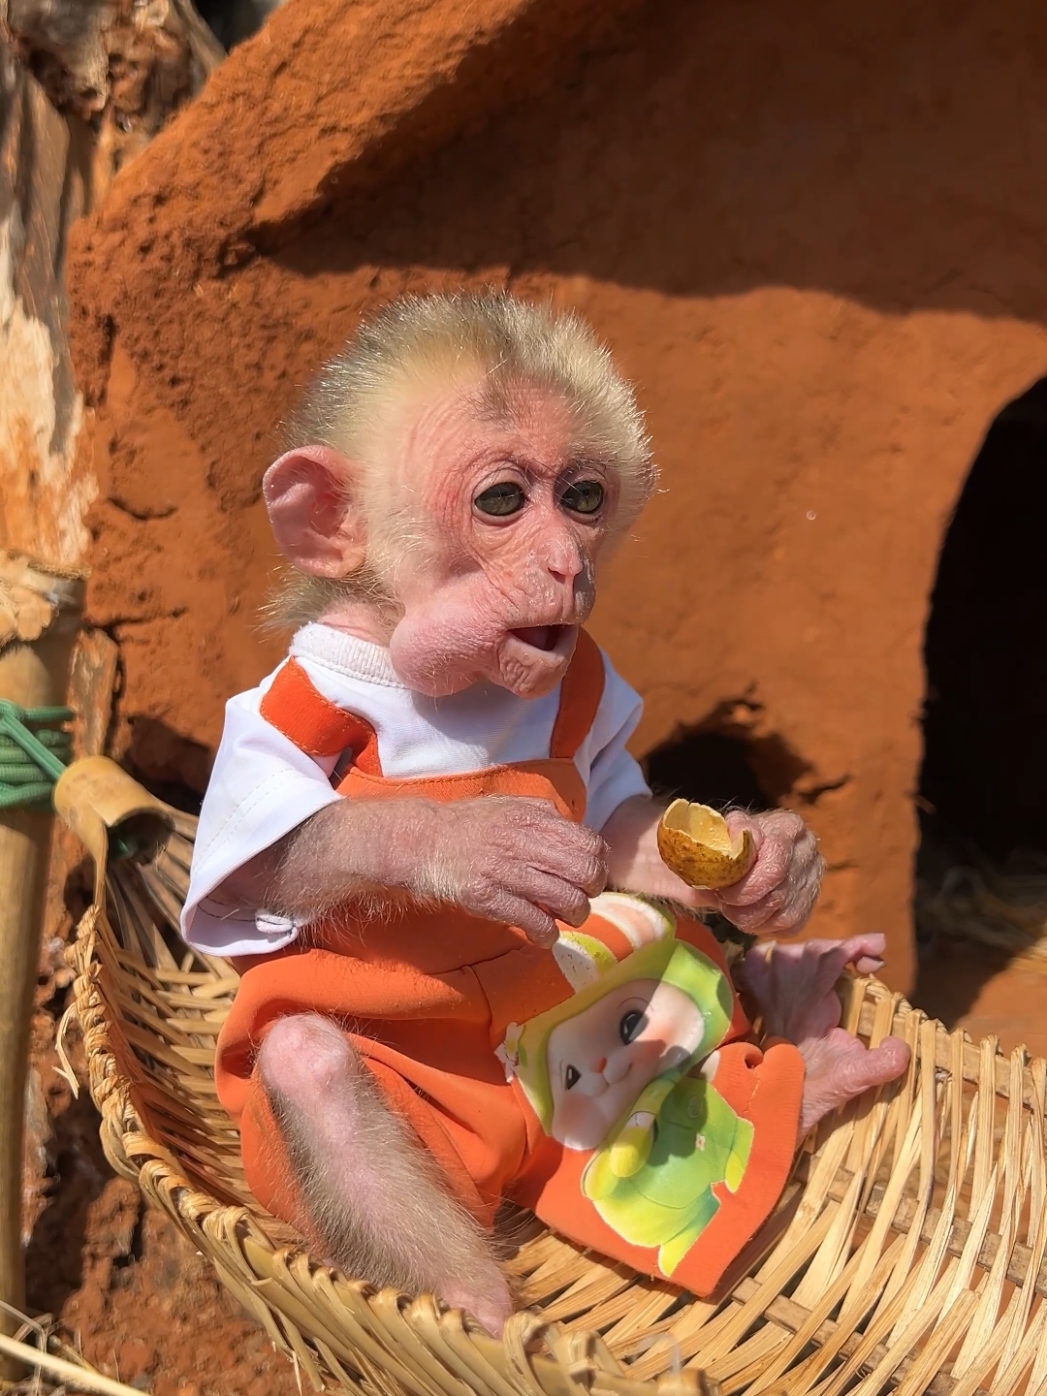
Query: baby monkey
[[411, 828]]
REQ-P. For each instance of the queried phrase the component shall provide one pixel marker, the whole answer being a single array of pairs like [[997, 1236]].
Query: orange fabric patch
[[295, 707], [580, 696]]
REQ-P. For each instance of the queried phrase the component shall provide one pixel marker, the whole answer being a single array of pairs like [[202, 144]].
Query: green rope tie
[[35, 749]]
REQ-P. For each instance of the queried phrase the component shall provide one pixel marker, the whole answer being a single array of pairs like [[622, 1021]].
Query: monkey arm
[[349, 848], [510, 859], [635, 865]]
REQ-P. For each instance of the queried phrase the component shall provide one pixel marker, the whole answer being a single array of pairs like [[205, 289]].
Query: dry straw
[[1003, 908], [907, 1254], [50, 1371]]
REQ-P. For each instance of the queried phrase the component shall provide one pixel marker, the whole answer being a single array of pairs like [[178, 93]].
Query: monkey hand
[[512, 859], [794, 986], [778, 892]]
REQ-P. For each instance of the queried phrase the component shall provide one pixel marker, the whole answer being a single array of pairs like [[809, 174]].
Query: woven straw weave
[[906, 1255]]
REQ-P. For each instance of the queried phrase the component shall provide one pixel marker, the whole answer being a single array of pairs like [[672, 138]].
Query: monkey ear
[[317, 523]]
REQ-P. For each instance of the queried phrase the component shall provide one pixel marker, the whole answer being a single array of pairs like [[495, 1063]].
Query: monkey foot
[[794, 986], [490, 1304], [838, 1068]]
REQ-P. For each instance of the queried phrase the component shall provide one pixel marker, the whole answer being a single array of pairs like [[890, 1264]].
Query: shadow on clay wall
[[891, 159], [172, 766], [709, 767], [727, 760], [983, 785]]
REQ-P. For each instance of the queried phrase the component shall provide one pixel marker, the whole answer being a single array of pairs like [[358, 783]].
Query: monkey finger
[[795, 903], [868, 965], [558, 897], [740, 822], [581, 861], [861, 949], [782, 824], [536, 923], [498, 903], [769, 872], [757, 917]]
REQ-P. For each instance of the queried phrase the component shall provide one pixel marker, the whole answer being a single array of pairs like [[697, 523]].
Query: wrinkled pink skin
[[489, 577], [480, 581], [794, 987], [481, 578]]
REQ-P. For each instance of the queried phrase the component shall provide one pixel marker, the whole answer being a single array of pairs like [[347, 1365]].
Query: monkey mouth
[[541, 637], [534, 657]]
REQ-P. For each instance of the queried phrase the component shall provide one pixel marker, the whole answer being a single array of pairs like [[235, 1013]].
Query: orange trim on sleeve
[[296, 707]]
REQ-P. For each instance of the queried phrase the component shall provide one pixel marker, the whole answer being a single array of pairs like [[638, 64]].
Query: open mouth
[[540, 637]]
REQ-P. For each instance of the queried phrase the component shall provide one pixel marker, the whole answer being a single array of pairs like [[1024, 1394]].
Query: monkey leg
[[374, 1197]]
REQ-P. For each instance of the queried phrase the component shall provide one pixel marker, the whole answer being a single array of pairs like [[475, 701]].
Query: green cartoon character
[[625, 1066]]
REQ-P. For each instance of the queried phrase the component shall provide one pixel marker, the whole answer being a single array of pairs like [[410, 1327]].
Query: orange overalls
[[427, 998]]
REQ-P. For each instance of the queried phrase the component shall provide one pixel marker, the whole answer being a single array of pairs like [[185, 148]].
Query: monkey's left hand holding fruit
[[412, 825]]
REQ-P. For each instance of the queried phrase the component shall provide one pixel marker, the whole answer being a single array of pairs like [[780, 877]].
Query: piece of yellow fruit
[[697, 845]]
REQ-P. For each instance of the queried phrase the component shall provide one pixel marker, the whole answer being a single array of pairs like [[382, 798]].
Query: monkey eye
[[583, 496], [504, 498], [571, 1077]]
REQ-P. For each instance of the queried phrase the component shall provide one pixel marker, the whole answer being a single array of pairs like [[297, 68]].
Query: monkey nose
[[599, 1066], [564, 561], [563, 573]]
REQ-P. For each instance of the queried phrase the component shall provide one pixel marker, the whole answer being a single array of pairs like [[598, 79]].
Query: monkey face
[[514, 510], [479, 518]]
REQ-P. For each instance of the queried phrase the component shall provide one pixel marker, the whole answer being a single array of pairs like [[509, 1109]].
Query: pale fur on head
[[419, 340]]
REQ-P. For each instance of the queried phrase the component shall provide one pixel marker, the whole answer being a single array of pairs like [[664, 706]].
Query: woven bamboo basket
[[907, 1253]]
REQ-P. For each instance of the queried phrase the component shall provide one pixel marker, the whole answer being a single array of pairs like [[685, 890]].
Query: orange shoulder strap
[[580, 695], [295, 706]]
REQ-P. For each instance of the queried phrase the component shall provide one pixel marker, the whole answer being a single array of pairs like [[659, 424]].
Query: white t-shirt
[[263, 786]]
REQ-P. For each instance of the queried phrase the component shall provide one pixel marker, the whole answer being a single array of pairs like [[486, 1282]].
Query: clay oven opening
[[983, 785], [727, 759], [710, 767]]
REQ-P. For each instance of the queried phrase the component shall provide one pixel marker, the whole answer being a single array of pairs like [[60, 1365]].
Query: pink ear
[[317, 524]]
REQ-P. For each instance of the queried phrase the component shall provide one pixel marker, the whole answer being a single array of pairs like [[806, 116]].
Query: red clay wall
[[814, 235]]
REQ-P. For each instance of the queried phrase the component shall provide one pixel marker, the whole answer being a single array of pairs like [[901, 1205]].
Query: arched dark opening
[[710, 767], [233, 21], [981, 870], [729, 758], [983, 785]]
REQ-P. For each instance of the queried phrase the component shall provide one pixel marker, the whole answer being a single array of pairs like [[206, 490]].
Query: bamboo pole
[[40, 611]]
